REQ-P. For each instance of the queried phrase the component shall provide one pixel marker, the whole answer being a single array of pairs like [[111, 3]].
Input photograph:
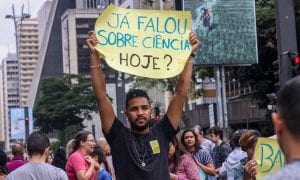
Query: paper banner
[[269, 157], [149, 43]]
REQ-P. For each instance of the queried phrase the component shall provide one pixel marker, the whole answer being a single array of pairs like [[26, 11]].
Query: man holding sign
[[140, 152], [286, 122]]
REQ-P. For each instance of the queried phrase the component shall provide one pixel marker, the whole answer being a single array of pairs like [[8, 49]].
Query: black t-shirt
[[129, 150]]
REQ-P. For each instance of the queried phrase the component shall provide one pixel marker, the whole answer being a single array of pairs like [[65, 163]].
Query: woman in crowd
[[59, 159], [181, 164], [233, 166], [99, 158], [50, 158], [248, 142], [80, 165], [3, 169], [203, 159]]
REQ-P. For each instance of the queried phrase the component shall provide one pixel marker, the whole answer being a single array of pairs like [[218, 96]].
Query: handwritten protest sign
[[147, 43], [269, 157]]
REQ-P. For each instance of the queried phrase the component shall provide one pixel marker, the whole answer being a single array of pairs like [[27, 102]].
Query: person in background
[[107, 162], [50, 158], [202, 157], [99, 157], [287, 123], [69, 148], [221, 149], [18, 157], [37, 168], [3, 169], [59, 159], [181, 163], [248, 142], [205, 143], [233, 167], [80, 165]]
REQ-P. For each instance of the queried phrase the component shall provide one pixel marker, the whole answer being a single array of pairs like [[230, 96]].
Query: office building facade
[[9, 93]]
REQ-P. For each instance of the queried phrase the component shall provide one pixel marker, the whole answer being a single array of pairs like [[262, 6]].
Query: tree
[[169, 84], [65, 101]]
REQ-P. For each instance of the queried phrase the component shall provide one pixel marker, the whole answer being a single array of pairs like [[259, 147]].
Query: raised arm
[[105, 107], [183, 82]]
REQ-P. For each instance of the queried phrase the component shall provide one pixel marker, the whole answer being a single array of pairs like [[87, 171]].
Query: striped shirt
[[202, 156]]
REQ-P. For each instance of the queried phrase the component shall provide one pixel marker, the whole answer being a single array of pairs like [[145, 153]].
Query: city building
[[9, 93], [27, 30], [43, 22], [50, 54], [2, 122], [63, 49], [76, 23]]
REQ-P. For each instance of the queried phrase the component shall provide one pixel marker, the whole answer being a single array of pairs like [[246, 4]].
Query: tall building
[[2, 122], [43, 19], [76, 23], [27, 30], [63, 48], [50, 54], [9, 93], [92, 4]]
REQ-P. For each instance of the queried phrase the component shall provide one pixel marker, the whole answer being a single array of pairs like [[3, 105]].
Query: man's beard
[[135, 127]]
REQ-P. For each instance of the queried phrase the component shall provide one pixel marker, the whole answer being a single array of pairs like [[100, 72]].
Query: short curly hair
[[133, 93]]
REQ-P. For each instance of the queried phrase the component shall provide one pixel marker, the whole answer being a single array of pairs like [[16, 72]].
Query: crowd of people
[[155, 150], [188, 157]]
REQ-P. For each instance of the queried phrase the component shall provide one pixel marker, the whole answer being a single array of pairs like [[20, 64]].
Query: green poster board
[[227, 31]]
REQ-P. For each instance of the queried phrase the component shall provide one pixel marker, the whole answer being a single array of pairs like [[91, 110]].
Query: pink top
[[76, 162], [186, 169], [17, 161]]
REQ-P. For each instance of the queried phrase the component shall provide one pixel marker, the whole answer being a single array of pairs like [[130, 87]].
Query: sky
[[7, 30]]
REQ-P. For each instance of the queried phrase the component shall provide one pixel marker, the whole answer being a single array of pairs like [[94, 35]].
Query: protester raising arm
[[183, 82], [105, 107]]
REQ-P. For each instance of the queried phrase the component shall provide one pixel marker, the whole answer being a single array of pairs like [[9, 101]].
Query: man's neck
[[292, 150], [37, 159], [138, 132], [201, 140], [219, 141], [18, 157]]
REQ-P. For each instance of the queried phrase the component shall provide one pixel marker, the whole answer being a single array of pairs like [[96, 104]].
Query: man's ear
[[278, 123], [46, 152]]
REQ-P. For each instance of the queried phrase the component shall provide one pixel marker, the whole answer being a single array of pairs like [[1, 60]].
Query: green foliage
[[203, 72], [65, 101], [169, 84], [68, 133], [54, 146]]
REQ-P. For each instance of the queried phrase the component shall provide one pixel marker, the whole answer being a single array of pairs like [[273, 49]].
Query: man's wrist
[[193, 55], [95, 66]]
